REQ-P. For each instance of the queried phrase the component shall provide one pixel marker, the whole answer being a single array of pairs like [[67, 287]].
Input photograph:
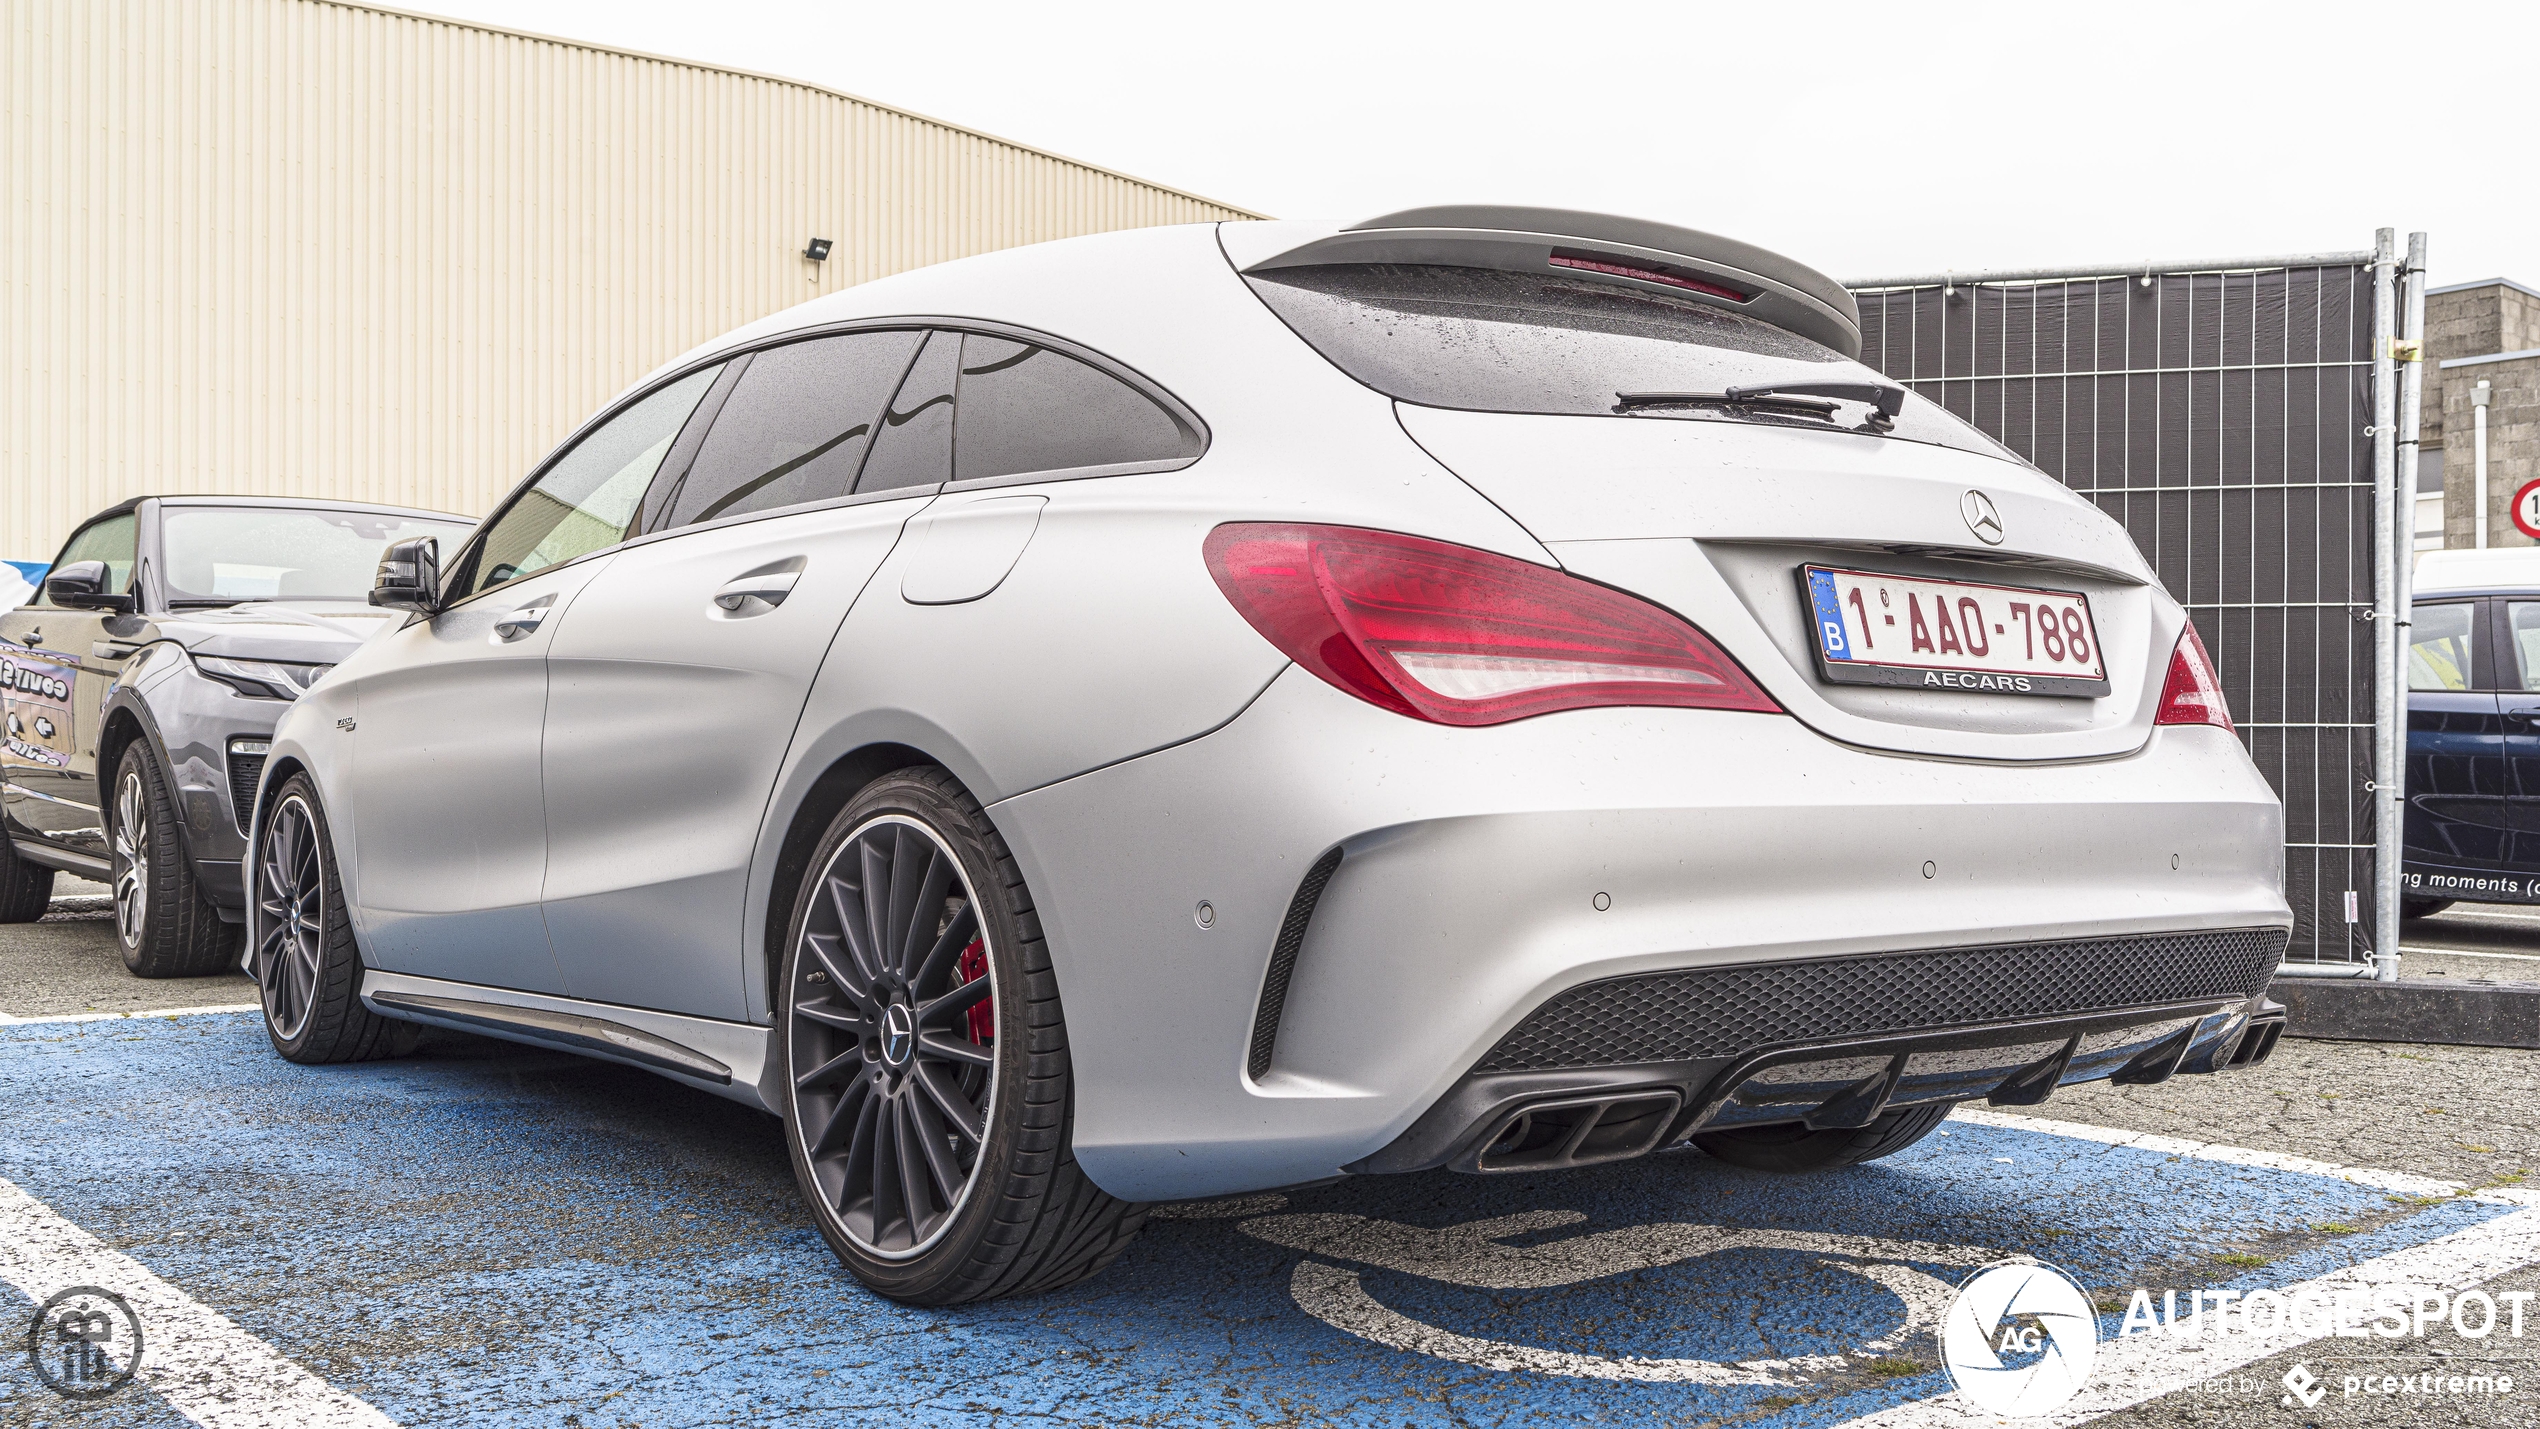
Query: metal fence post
[[2389, 769], [2403, 571]]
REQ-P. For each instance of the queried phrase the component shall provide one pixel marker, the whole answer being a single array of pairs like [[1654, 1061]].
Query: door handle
[[771, 588], [2524, 717], [522, 621]]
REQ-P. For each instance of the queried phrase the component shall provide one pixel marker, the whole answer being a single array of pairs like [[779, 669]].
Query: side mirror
[[409, 576], [81, 585]]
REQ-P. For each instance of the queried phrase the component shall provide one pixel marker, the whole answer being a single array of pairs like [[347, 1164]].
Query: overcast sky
[[1863, 139]]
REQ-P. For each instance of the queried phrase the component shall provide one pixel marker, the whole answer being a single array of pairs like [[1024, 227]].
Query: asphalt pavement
[[69, 963], [491, 1234]]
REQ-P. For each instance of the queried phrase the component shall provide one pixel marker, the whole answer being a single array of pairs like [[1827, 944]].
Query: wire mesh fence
[[2224, 417]]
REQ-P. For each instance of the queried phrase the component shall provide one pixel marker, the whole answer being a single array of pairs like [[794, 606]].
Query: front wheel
[[306, 964], [1794, 1149], [928, 1100], [2422, 907], [164, 924]]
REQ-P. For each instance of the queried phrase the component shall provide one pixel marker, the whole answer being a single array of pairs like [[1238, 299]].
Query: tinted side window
[[1027, 408], [2438, 647], [796, 427], [112, 541], [914, 446], [587, 499]]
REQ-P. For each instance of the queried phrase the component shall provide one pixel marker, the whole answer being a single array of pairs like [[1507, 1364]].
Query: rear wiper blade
[[1626, 401], [1885, 399]]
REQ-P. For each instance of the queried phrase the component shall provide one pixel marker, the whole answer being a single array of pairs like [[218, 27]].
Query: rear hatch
[[1663, 439], [1717, 522]]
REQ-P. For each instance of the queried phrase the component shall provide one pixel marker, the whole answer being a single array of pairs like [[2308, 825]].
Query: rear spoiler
[[1600, 247]]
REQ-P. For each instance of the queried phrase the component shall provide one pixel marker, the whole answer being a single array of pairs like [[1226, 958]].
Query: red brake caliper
[[983, 1013]]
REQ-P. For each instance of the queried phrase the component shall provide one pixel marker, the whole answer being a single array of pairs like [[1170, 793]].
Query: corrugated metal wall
[[287, 246]]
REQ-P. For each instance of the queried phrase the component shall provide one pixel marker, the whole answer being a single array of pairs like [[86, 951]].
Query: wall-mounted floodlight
[[817, 250]]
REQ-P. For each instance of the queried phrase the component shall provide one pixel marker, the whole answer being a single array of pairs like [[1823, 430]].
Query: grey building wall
[[2484, 331]]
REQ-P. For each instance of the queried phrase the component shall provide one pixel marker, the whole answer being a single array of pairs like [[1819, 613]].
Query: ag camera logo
[[2019, 1338]]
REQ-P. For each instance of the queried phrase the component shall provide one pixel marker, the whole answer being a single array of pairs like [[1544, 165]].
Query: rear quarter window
[[1486, 340], [1025, 408]]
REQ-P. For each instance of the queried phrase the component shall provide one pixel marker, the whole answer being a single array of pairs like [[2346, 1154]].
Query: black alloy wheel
[[895, 1037], [306, 963], [290, 916], [927, 1088]]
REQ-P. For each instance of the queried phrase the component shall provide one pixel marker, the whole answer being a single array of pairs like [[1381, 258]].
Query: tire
[[26, 887], [2422, 907], [887, 1061], [163, 923], [1792, 1149], [308, 968]]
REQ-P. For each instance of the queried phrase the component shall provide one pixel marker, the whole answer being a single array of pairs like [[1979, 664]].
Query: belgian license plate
[[1875, 629]]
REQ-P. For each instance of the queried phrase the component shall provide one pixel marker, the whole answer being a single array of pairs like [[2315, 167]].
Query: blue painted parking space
[[488, 1234]]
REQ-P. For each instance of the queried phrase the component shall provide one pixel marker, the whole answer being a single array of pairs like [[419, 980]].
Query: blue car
[[2473, 813]]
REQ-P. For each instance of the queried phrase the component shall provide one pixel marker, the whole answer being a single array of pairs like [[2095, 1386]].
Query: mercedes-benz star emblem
[[899, 1033], [1981, 517]]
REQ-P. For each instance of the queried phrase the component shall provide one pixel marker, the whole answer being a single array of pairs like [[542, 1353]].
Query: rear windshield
[[1482, 340]]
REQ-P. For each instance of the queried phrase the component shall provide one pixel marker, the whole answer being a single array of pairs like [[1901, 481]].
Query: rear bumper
[[1486, 872], [1502, 1120]]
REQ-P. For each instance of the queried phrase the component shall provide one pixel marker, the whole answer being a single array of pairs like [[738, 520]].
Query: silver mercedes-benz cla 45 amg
[[1205, 709]]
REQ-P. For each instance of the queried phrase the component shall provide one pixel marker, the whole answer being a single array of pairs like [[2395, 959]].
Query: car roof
[[1167, 301]]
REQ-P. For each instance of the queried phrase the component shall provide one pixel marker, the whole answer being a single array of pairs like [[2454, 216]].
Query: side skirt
[[725, 1058], [56, 857]]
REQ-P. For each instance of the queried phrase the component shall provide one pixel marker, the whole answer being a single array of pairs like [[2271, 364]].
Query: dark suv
[[141, 687]]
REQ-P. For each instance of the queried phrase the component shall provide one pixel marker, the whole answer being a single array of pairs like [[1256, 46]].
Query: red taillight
[[1459, 636], [2193, 693]]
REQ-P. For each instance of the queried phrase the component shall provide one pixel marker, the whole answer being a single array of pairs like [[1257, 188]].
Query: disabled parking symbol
[[1479, 1255]]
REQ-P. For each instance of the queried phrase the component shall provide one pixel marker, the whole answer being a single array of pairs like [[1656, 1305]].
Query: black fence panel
[[2224, 419]]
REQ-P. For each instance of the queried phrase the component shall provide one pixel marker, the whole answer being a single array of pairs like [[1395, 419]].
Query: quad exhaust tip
[[1578, 1131]]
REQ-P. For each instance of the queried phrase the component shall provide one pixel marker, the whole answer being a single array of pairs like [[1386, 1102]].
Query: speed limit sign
[[2527, 509]]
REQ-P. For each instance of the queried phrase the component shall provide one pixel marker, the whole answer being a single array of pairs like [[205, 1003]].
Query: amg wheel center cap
[[899, 1034]]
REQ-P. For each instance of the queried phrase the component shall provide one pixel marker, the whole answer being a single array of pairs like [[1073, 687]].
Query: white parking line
[[2145, 1367], [2142, 1368], [2399, 1181], [7, 1021], [195, 1358]]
